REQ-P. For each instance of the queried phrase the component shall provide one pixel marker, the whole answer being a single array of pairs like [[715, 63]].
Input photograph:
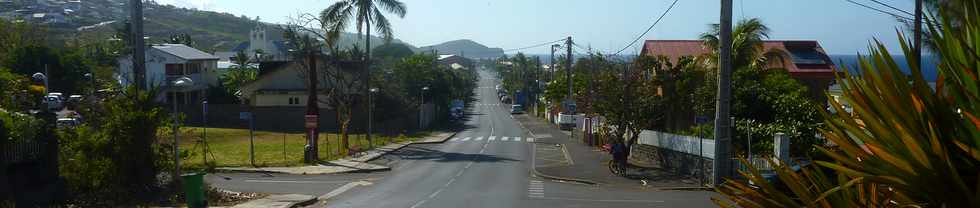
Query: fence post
[[781, 147]]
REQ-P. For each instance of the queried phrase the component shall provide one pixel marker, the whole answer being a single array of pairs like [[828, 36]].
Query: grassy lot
[[230, 147]]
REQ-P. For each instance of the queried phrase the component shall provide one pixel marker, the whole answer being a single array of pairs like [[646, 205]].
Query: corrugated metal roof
[[185, 52]]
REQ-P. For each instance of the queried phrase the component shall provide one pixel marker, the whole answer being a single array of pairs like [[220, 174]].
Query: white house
[[283, 84], [167, 62]]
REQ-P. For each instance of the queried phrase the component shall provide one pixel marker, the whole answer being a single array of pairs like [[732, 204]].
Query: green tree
[[747, 44], [628, 102], [394, 51], [182, 38], [239, 75]]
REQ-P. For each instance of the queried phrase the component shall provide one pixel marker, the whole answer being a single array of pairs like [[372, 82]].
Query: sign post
[[311, 123], [251, 135], [698, 120]]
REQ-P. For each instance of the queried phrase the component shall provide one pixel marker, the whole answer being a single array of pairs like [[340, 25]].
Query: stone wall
[[678, 162]]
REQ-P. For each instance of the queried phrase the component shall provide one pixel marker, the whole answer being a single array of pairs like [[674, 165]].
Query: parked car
[[53, 102], [68, 122], [566, 121], [516, 109]]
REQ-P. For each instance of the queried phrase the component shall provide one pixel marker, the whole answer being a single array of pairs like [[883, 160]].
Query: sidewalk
[[558, 156], [357, 163]]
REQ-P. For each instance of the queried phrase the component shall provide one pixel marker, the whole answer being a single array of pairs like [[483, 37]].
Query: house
[[283, 84], [805, 60], [167, 62], [263, 46], [456, 62]]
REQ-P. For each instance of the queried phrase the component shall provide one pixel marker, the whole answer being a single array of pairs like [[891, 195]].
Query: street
[[487, 164]]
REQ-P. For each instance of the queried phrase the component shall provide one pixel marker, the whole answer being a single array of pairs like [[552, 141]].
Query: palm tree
[[338, 16], [747, 43], [237, 77]]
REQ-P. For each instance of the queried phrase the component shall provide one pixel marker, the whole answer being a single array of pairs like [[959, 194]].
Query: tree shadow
[[421, 153]]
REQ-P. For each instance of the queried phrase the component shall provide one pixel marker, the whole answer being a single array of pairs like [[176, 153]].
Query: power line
[[892, 7], [534, 46], [648, 28], [882, 11]]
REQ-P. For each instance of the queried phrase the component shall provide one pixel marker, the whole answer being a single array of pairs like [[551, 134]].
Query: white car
[[68, 122]]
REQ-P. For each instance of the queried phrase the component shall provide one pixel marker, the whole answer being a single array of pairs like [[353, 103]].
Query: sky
[[605, 25]]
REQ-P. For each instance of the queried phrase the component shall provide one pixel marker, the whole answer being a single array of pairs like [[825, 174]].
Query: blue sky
[[841, 27]]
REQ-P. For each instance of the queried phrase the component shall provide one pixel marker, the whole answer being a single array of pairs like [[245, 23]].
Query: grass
[[230, 147]]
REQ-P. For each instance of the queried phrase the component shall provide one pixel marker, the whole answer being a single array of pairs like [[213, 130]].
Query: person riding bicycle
[[619, 152]]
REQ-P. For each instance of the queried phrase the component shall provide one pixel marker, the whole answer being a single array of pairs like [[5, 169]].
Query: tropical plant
[[629, 104], [242, 73], [906, 144], [747, 43], [182, 38], [114, 158]]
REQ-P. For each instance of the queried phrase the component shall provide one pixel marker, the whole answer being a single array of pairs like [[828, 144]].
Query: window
[[806, 56], [175, 69], [294, 101], [194, 68]]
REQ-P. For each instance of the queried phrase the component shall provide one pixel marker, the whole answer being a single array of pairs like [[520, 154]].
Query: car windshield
[[404, 103]]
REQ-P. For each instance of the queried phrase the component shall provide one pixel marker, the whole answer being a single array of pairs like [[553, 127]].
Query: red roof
[[674, 49]]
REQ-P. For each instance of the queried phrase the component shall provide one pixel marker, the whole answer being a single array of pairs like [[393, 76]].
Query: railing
[[21, 151]]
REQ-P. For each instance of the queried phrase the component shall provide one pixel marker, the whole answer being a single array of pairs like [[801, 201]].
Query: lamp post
[[370, 116], [41, 77], [421, 103], [177, 84]]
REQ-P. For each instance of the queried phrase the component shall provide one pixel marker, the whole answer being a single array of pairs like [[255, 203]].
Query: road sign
[[700, 119], [311, 121], [245, 115]]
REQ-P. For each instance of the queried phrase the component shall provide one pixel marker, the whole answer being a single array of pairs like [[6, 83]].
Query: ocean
[[929, 64]]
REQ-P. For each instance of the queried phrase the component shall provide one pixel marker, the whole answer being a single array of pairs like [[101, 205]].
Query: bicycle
[[615, 168]]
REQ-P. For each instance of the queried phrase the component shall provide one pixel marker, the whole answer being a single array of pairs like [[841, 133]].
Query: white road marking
[[433, 195], [466, 139], [478, 139], [418, 204], [517, 139], [274, 181], [343, 189], [503, 139], [491, 138], [454, 139], [530, 139]]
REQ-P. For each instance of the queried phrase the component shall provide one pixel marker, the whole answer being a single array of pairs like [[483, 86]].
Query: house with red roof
[[805, 60]]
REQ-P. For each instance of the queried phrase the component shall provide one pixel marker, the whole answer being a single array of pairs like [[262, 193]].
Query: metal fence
[[21, 151]]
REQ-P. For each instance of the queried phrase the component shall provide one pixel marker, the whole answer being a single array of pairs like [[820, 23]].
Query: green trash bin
[[194, 190]]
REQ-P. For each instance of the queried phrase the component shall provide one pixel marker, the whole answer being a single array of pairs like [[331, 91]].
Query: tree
[[242, 73], [628, 103], [393, 51], [747, 43], [905, 145], [182, 38]]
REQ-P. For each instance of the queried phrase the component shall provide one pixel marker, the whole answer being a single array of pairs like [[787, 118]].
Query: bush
[[18, 126], [114, 159]]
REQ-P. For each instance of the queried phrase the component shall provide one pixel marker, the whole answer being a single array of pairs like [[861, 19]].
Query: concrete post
[[781, 147]]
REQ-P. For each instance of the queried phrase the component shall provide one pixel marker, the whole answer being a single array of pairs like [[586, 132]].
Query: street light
[[370, 116], [421, 103], [177, 84]]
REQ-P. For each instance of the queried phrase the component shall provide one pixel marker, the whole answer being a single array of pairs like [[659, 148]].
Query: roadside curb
[[371, 156], [438, 142], [683, 188], [535, 172]]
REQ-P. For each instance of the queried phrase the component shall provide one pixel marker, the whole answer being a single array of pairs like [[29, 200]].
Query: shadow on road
[[421, 153]]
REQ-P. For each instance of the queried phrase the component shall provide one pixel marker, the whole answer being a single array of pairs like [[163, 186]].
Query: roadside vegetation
[[905, 145]]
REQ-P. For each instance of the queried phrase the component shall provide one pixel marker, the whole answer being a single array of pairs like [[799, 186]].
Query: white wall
[[680, 143]]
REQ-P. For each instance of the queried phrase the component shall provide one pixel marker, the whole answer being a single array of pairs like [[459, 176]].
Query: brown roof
[[674, 49]]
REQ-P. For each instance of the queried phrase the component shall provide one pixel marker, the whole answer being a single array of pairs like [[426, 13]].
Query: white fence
[[686, 144]]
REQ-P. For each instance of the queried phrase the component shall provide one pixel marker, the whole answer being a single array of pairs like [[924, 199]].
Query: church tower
[[257, 40]]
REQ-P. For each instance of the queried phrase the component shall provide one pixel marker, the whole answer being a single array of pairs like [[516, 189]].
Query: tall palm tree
[[747, 43], [338, 16]]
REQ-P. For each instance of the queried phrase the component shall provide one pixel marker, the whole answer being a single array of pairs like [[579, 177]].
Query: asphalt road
[[485, 165]]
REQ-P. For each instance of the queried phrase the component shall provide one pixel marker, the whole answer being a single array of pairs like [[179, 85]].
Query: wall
[[290, 119]]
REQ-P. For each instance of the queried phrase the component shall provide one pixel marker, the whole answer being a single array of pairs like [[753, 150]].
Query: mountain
[[211, 31], [464, 47]]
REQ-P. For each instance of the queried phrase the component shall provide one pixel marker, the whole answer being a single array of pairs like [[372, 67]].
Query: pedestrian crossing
[[492, 139], [489, 104], [535, 189]]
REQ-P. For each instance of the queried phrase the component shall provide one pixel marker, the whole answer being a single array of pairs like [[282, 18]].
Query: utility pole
[[552, 63], [139, 53], [568, 65], [917, 37], [723, 140]]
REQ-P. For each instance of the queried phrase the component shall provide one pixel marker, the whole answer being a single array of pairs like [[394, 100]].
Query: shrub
[[114, 159]]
